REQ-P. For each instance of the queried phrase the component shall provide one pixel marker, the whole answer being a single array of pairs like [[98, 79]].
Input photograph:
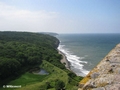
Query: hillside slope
[[22, 53], [19, 51]]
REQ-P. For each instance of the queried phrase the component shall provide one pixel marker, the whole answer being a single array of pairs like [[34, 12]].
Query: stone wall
[[106, 75]]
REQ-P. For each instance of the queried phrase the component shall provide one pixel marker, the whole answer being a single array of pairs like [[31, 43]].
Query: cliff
[[106, 75]]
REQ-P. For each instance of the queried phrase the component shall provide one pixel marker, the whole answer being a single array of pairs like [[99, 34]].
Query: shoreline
[[67, 63], [64, 60]]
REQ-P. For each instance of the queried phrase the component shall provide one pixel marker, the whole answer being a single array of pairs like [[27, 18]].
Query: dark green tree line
[[22, 49]]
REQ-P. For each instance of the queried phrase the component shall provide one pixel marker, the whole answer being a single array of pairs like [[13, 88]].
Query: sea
[[85, 51]]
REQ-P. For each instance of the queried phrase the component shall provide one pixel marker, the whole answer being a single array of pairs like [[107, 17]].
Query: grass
[[30, 81], [28, 78]]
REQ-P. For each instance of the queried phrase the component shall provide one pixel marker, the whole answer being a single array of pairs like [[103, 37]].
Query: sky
[[60, 16]]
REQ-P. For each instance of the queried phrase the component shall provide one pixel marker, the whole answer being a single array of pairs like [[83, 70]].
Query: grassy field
[[29, 81]]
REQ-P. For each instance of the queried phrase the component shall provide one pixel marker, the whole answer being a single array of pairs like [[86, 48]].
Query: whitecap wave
[[76, 63]]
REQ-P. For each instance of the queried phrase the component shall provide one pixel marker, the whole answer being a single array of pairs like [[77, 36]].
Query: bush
[[71, 74], [59, 85]]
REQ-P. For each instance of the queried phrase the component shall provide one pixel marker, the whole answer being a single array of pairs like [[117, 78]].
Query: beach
[[64, 60], [84, 51]]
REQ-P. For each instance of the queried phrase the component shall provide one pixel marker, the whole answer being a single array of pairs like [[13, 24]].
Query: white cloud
[[12, 18]]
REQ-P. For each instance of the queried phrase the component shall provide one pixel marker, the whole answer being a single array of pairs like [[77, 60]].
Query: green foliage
[[46, 86], [8, 67], [71, 74], [59, 85], [28, 78], [19, 50]]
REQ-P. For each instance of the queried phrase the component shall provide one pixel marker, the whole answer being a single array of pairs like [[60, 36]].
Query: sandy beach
[[64, 60]]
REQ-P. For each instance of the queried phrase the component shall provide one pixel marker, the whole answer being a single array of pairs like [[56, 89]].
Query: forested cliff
[[21, 53], [19, 50]]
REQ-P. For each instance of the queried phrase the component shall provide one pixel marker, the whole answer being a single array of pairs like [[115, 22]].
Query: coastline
[[64, 60], [71, 62]]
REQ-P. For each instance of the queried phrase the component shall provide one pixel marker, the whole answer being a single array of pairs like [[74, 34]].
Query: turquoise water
[[85, 51], [43, 72]]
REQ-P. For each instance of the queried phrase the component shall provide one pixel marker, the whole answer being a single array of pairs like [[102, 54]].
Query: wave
[[76, 63]]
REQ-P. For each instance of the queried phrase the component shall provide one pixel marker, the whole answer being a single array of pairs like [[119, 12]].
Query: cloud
[[12, 19]]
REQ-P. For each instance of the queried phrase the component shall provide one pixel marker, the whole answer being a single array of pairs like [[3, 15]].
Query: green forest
[[21, 52]]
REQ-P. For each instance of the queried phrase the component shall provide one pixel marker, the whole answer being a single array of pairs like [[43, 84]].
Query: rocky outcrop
[[106, 75]]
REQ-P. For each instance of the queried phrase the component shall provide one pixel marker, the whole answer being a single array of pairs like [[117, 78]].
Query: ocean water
[[85, 51]]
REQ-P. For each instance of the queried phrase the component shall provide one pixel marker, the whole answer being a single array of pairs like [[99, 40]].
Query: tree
[[33, 60], [59, 85], [71, 74], [21, 50], [8, 67]]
